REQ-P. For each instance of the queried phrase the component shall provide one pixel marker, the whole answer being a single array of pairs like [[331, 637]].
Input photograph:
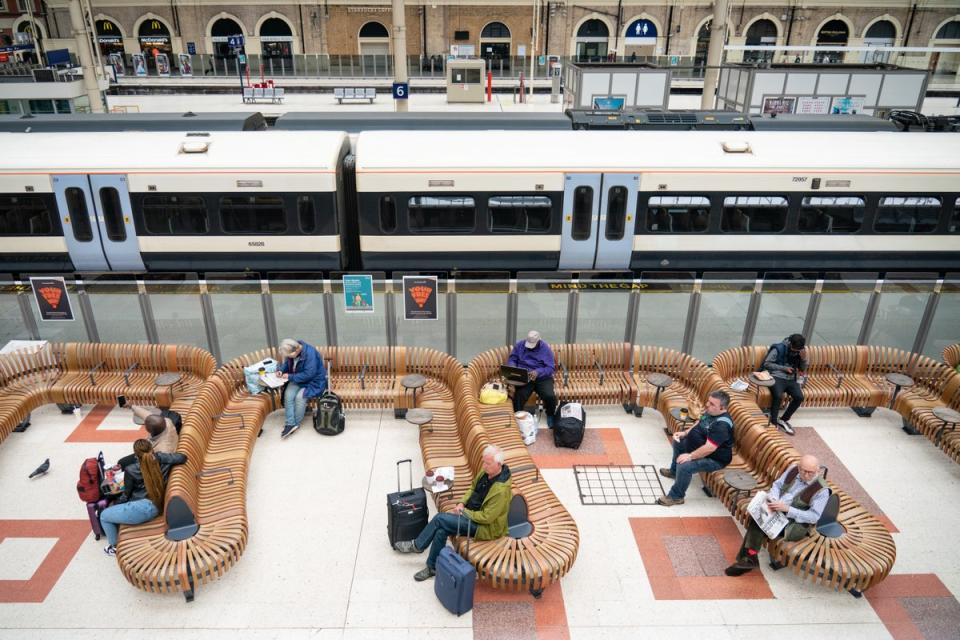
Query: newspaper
[[739, 385], [772, 522], [272, 380]]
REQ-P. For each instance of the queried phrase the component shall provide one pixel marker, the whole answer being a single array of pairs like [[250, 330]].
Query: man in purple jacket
[[535, 355]]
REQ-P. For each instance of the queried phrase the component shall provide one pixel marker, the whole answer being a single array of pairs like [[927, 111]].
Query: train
[[479, 201]]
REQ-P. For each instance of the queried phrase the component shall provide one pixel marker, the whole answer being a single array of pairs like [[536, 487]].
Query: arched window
[[374, 30], [593, 29], [761, 32], [949, 31], [835, 32], [154, 38], [220, 33], [592, 41], [109, 37], [882, 29], [276, 39], [495, 46], [880, 34], [495, 30], [703, 45]]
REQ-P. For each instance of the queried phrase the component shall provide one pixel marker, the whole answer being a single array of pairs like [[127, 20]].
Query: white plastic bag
[[251, 374], [528, 426]]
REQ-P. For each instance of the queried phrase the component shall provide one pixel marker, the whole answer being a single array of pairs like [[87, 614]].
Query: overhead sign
[[358, 293], [192, 48], [235, 42], [420, 297], [641, 32], [401, 90], [53, 301]]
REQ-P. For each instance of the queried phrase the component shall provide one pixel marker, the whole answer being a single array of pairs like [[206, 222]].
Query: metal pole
[[513, 304], [452, 317], [753, 312], [391, 310], [86, 310], [693, 311], [573, 308], [146, 310], [813, 308], [399, 50], [210, 322], [23, 299], [870, 314], [329, 314], [928, 313], [82, 42], [269, 314], [633, 310], [718, 32]]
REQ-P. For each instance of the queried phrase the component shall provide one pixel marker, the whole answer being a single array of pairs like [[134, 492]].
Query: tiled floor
[[318, 563]]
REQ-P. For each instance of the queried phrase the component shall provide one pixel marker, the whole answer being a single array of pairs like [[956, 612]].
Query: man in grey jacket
[[787, 363]]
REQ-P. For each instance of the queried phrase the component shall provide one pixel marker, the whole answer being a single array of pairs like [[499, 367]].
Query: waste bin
[[465, 80]]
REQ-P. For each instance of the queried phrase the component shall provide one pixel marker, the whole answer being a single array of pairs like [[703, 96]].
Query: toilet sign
[[641, 32]]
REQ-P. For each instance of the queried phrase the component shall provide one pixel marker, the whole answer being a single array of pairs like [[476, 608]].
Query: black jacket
[[133, 487]]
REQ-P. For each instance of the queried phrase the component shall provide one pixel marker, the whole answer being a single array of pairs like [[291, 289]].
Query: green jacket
[[491, 519]]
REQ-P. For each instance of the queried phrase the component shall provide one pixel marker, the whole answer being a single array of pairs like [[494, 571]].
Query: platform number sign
[[235, 42], [400, 90]]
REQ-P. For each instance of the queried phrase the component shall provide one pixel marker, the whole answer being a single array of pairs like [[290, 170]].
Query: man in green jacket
[[481, 513]]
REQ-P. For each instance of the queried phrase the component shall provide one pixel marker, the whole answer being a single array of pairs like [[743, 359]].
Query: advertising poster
[[847, 105], [420, 297], [186, 67], [53, 301], [116, 61], [163, 65], [778, 105], [139, 65], [358, 293], [814, 105]]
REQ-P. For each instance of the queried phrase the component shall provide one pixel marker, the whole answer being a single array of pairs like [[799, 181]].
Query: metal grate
[[618, 484]]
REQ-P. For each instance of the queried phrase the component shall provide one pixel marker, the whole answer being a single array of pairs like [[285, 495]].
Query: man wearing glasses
[[801, 494]]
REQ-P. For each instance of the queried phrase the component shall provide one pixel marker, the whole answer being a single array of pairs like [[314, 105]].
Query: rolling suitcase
[[93, 511], [455, 579], [406, 510]]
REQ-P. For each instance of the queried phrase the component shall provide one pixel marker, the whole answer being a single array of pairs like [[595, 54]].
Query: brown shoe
[[667, 501], [665, 472], [742, 566]]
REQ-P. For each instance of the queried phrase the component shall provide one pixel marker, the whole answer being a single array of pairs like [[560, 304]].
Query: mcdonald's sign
[[155, 25], [107, 25]]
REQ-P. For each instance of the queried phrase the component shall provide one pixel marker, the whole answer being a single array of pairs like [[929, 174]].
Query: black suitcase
[[568, 431], [406, 510]]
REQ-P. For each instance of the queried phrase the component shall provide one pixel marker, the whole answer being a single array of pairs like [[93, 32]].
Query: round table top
[[166, 379], [419, 416], [661, 380], [138, 420], [947, 414], [740, 480], [413, 381], [675, 412], [762, 383], [899, 379]]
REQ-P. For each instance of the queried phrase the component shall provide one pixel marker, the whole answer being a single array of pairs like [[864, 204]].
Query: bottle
[[684, 414]]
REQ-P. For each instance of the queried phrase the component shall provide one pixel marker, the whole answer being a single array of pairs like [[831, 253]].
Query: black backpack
[[173, 417], [328, 419], [568, 431]]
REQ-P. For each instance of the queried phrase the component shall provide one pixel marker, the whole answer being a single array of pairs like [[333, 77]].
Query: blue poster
[[641, 32], [358, 293]]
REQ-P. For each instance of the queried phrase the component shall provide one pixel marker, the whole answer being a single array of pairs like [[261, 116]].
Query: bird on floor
[[41, 470]]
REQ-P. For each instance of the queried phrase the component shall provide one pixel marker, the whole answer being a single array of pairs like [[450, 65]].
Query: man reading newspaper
[[793, 507]]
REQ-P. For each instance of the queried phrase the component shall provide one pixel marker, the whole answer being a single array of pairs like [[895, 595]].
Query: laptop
[[514, 374]]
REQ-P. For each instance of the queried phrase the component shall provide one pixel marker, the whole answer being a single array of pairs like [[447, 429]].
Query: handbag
[[493, 393]]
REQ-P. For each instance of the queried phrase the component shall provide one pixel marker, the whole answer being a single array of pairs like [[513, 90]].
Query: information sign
[[420, 297], [358, 293], [641, 32], [401, 90]]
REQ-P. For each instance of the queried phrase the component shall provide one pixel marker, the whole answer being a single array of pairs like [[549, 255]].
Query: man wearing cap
[[535, 355]]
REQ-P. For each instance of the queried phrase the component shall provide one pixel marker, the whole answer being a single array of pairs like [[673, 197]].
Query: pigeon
[[41, 470]]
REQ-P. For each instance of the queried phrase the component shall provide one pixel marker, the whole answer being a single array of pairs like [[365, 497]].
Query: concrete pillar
[[399, 50], [718, 29], [82, 43]]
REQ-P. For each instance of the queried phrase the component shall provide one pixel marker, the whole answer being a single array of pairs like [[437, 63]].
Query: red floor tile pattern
[[70, 535], [600, 447], [88, 431], [503, 615], [654, 538], [916, 607]]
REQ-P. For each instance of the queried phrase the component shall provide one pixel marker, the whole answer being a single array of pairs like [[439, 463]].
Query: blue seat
[[518, 524]]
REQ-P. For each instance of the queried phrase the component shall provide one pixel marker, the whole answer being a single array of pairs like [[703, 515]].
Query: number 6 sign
[[400, 90]]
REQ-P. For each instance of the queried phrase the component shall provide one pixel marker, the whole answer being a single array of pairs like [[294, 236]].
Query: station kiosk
[[465, 78]]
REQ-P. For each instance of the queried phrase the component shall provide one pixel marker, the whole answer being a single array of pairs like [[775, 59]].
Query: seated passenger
[[705, 447], [162, 433], [787, 363], [307, 378], [802, 494], [481, 512], [535, 355], [144, 488]]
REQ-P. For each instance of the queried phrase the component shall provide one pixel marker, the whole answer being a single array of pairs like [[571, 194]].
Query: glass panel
[[422, 333], [298, 309], [362, 329], [899, 313], [481, 317], [943, 329], [842, 306], [116, 309], [79, 218], [23, 216], [112, 214], [662, 314], [754, 214], [441, 213], [175, 215], [11, 320], [602, 313], [253, 214], [954, 226], [520, 214], [542, 305], [62, 330], [177, 311], [239, 316], [678, 214], [582, 213], [388, 214], [723, 313], [831, 214], [783, 308], [907, 215], [616, 213], [307, 214]]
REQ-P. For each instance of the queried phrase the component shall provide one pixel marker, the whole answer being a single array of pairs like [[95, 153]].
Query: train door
[[598, 215], [97, 222]]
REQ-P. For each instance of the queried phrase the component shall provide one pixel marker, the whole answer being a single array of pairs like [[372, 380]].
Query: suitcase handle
[[400, 462], [467, 534]]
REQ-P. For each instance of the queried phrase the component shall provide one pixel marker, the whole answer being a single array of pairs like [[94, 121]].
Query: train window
[[388, 214], [253, 214], [79, 217], [441, 213], [307, 214], [520, 214], [754, 214], [955, 220], [616, 213], [112, 214], [582, 213], [907, 215], [678, 214], [24, 216], [175, 215], [830, 214]]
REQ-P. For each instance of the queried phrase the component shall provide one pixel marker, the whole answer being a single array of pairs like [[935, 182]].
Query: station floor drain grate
[[618, 484]]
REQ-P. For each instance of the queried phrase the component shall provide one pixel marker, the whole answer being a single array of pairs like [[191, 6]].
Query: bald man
[[801, 494]]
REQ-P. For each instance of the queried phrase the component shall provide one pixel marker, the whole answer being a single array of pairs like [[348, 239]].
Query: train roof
[[144, 151], [593, 151], [355, 122], [188, 121]]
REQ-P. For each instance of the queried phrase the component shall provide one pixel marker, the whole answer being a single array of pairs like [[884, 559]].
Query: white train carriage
[[172, 201], [658, 200]]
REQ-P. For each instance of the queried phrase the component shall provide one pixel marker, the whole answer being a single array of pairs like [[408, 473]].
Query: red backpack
[[91, 475]]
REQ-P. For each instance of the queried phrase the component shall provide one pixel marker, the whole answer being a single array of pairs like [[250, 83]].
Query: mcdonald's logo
[[155, 24], [107, 25]]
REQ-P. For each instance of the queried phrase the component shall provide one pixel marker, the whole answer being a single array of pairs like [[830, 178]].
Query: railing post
[[693, 311], [753, 311], [23, 300], [452, 317], [146, 311], [86, 310], [870, 314], [927, 320], [269, 314], [513, 303], [813, 308], [391, 311], [209, 322], [633, 310], [329, 314], [573, 308]]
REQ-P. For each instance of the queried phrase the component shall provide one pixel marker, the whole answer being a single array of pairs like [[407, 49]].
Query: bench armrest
[[126, 374], [527, 467], [210, 472], [243, 423], [566, 375], [599, 367], [363, 376], [837, 373], [93, 381]]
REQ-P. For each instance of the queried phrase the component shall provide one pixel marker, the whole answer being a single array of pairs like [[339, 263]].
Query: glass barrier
[[177, 313], [602, 312], [723, 314], [238, 312], [116, 309], [368, 328], [842, 308], [298, 309], [481, 316], [899, 313], [542, 305], [662, 314], [11, 320], [62, 330], [783, 308], [421, 333], [943, 329]]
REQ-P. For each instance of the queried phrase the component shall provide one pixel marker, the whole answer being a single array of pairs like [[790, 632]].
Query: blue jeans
[[442, 526], [294, 404], [683, 473], [136, 512]]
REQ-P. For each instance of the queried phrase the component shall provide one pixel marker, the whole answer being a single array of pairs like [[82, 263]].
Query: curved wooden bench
[[951, 355]]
